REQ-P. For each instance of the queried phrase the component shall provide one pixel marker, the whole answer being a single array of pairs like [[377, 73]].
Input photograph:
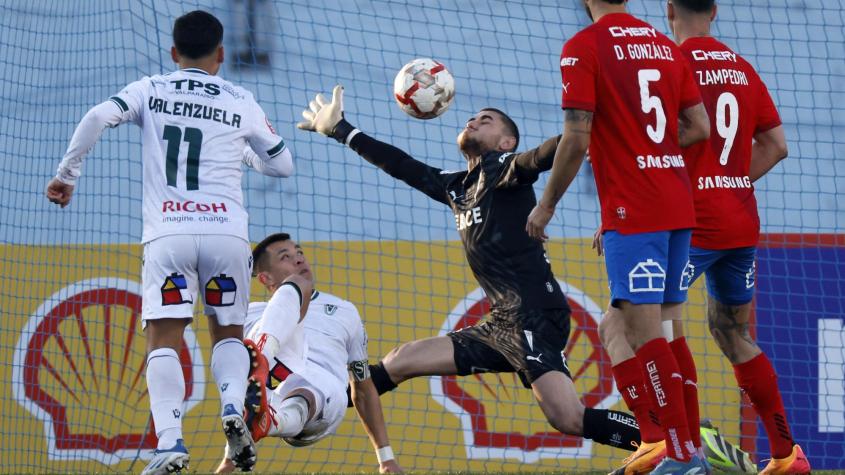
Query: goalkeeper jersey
[[195, 127]]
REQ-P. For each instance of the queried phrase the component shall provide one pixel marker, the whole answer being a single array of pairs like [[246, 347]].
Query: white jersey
[[331, 336], [196, 128]]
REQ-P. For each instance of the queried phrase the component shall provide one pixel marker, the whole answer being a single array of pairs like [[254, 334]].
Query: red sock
[[629, 381], [687, 366], [665, 388], [758, 381]]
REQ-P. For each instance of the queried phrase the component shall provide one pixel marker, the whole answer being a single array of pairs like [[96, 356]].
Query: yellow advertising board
[[75, 397]]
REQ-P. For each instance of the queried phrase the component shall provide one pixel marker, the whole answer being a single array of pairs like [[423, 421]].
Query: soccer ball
[[424, 88]]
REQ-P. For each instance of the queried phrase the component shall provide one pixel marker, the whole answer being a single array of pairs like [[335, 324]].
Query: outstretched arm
[[527, 166], [279, 166], [369, 410], [327, 118], [578, 125], [87, 133]]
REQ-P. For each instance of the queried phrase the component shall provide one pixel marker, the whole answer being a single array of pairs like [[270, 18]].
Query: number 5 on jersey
[[173, 135]]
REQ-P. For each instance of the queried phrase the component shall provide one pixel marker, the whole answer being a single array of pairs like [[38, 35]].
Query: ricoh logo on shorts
[[78, 368], [190, 206], [486, 403], [654, 378]]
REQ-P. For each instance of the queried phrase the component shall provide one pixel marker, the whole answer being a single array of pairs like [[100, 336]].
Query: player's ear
[[174, 54], [507, 143], [264, 278], [670, 12], [713, 13], [220, 55]]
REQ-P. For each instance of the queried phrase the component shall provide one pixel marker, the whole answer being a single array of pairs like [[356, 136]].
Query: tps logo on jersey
[[174, 290], [220, 291], [78, 368], [330, 309], [499, 418]]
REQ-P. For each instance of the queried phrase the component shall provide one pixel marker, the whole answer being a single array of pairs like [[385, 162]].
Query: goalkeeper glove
[[327, 117]]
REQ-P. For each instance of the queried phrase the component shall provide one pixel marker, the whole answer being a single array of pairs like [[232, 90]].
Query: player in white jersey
[[197, 129], [309, 344]]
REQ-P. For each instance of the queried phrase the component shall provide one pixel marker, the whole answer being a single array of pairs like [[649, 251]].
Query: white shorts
[[176, 267], [330, 401]]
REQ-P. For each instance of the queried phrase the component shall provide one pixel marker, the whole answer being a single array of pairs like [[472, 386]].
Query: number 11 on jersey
[[173, 135]]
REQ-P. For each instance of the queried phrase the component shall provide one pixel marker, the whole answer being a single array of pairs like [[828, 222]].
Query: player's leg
[[679, 276], [170, 286], [429, 356], [224, 271], [730, 285], [534, 347], [637, 269]]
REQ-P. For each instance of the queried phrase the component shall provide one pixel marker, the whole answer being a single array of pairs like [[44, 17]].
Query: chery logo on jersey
[[79, 368], [499, 418]]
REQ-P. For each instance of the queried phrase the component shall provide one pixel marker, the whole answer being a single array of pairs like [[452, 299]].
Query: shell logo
[[499, 418], [79, 368]]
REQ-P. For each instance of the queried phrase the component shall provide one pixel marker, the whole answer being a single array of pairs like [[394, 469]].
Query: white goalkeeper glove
[[327, 117]]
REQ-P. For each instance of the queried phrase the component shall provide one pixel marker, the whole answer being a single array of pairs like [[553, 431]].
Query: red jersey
[[739, 106], [636, 81]]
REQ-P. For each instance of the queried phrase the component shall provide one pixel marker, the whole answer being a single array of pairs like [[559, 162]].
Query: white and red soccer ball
[[424, 88]]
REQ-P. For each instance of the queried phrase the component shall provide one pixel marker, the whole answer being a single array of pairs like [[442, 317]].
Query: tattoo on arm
[[578, 121]]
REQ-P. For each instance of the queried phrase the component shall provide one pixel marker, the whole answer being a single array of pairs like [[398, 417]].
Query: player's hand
[[537, 221], [58, 192], [226, 466], [322, 116], [389, 466], [598, 245]]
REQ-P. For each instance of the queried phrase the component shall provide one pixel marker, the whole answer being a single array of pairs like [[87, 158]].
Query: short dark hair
[[197, 34], [259, 254], [697, 6], [509, 124], [615, 2]]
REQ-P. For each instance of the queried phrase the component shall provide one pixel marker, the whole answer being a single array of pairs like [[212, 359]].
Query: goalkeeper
[[491, 200]]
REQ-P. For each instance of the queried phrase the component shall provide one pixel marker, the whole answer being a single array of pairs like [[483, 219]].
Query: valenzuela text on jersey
[[197, 111]]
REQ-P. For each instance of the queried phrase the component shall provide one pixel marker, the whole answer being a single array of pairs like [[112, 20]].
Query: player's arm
[[527, 166], [267, 152], [280, 165], [768, 149], [327, 118], [87, 133], [367, 404], [693, 125], [570, 151]]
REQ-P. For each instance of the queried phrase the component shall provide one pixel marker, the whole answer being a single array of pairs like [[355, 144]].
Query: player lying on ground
[[304, 342], [197, 128], [746, 141], [630, 98], [530, 318]]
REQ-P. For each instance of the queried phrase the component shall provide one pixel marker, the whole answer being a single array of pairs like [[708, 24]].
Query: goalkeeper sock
[[230, 367], [381, 379], [687, 366], [166, 387], [613, 428]]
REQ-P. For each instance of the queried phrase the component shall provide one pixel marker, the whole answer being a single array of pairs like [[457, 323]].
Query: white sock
[[291, 417], [166, 386], [230, 367]]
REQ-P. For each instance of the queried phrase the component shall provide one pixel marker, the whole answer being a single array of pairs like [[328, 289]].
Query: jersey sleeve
[[262, 137], [690, 94], [767, 113], [524, 168], [579, 73], [356, 347], [131, 101]]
